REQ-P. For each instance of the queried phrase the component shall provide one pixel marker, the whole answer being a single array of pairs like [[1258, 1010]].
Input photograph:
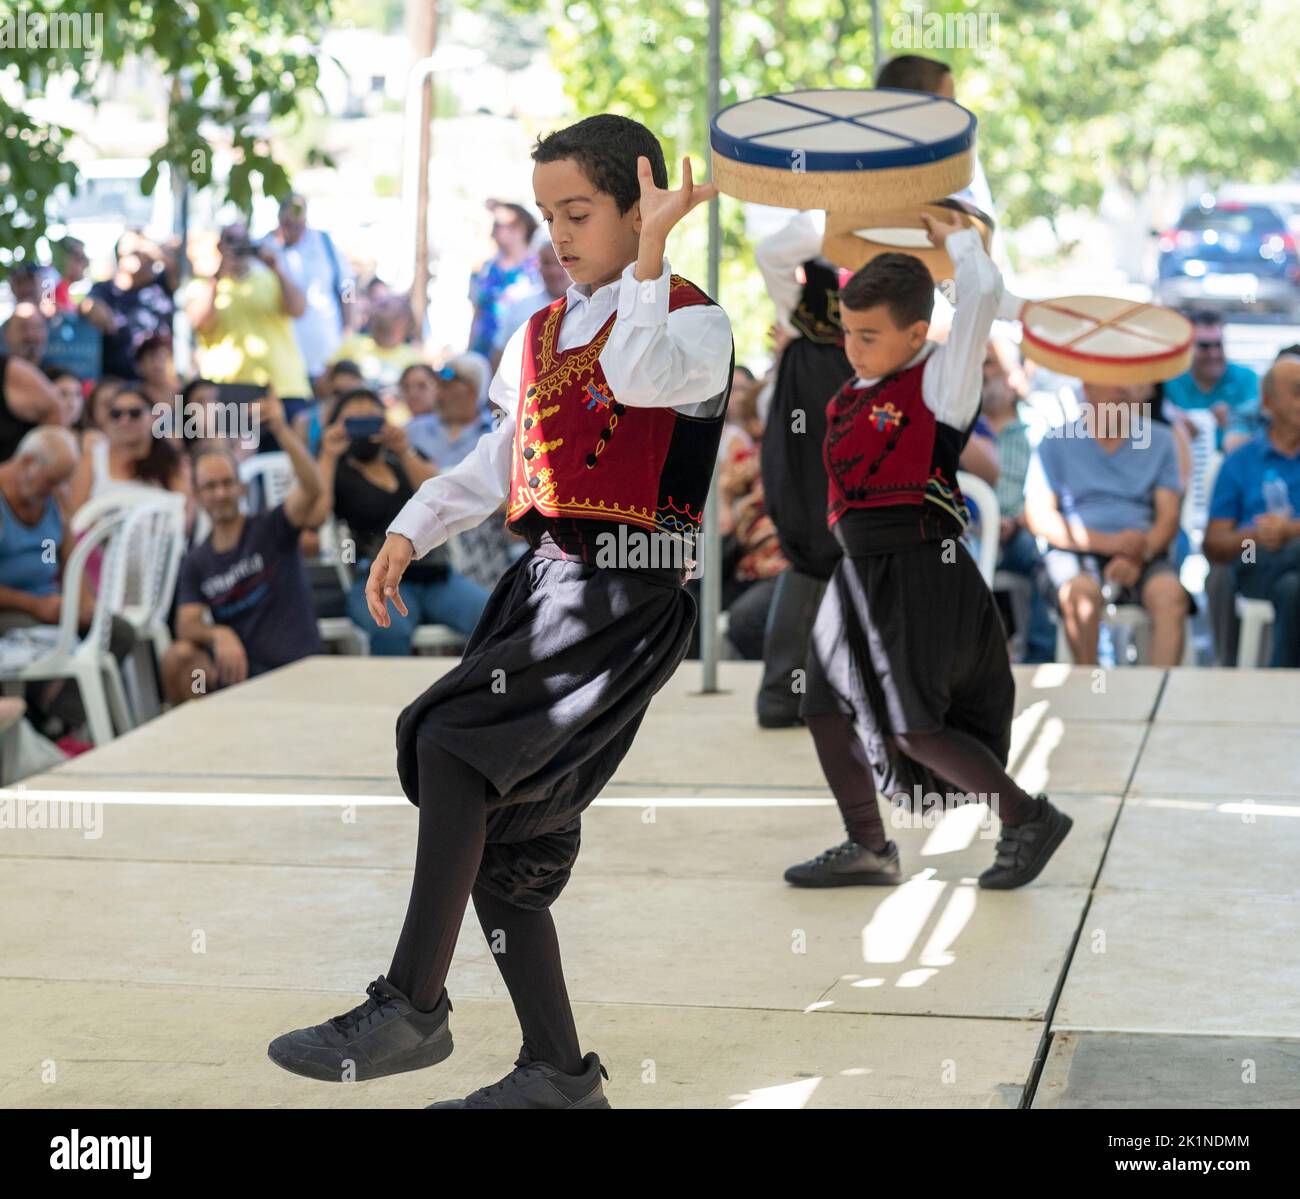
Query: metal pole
[[711, 551], [425, 35]]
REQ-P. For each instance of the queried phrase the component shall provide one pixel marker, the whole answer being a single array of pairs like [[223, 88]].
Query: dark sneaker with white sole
[[383, 1035], [1024, 849], [849, 865], [540, 1085]]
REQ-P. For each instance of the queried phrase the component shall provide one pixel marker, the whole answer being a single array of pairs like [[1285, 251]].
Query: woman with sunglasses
[[126, 453]]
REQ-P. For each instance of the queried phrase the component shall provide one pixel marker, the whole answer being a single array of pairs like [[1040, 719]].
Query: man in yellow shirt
[[243, 316]]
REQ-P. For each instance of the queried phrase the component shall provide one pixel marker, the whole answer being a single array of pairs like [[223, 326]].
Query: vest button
[[871, 470], [528, 422], [618, 409], [591, 459], [606, 433], [534, 481], [889, 445], [528, 453]]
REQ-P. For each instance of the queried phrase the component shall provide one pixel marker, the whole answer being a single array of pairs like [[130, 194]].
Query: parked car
[[1230, 255]]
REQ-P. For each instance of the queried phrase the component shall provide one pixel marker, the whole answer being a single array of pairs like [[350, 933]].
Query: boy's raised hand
[[938, 230], [662, 208]]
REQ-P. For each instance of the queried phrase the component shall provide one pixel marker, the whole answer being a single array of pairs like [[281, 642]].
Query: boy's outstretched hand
[[661, 209], [385, 573], [939, 230]]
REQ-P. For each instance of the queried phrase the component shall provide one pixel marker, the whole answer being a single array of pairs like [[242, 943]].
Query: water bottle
[[1277, 499]]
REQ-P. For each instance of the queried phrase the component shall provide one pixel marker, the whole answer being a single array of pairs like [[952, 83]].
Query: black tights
[[453, 824], [951, 754]]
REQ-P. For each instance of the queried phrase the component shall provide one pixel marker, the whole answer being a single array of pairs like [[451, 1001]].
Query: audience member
[[1253, 514], [248, 574]]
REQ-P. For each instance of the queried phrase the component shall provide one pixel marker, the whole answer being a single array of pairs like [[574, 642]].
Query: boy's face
[[874, 344], [593, 240]]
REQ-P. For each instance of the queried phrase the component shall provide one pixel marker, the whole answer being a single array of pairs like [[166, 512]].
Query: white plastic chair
[[990, 526], [153, 544], [87, 660], [339, 630], [1257, 617]]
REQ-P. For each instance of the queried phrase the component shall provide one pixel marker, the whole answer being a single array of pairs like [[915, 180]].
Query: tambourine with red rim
[[1103, 339], [853, 240], [843, 149]]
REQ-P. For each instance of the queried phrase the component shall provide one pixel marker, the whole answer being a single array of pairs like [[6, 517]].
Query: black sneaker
[[383, 1035], [1023, 850], [539, 1084], [848, 865]]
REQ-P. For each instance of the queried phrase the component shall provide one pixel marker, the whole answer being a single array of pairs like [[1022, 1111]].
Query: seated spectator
[[31, 578], [1253, 514], [128, 454], [339, 378], [200, 408], [1003, 386], [385, 352], [139, 297], [248, 575], [369, 480], [102, 392], [417, 395], [27, 399], [979, 455], [445, 435], [71, 394], [1228, 390], [26, 334], [751, 555], [742, 415], [157, 373], [243, 315], [1104, 492]]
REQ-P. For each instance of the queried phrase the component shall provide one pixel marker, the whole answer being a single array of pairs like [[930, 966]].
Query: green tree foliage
[[233, 68]]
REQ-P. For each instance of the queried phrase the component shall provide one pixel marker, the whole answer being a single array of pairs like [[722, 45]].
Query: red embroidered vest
[[580, 453], [884, 448]]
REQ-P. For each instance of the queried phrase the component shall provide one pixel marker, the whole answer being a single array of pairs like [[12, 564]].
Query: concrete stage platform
[[250, 868]]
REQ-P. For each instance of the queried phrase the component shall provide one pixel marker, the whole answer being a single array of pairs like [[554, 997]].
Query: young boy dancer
[[908, 638], [812, 369], [615, 397]]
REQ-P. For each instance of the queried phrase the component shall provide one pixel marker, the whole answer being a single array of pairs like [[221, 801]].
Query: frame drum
[[1102, 339], [853, 241], [843, 149]]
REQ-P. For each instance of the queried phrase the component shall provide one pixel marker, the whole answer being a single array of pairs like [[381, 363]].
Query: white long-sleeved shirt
[[652, 358], [780, 254], [954, 371]]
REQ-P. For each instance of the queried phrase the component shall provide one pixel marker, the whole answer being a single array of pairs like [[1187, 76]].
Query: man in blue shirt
[[1214, 384], [1253, 513], [1105, 494]]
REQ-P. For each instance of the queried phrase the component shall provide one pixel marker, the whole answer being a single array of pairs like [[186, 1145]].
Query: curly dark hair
[[899, 281], [606, 147]]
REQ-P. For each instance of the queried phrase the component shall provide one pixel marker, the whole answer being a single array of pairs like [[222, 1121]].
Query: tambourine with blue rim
[[840, 149]]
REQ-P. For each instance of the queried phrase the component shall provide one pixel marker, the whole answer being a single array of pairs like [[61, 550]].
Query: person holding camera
[[243, 316]]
